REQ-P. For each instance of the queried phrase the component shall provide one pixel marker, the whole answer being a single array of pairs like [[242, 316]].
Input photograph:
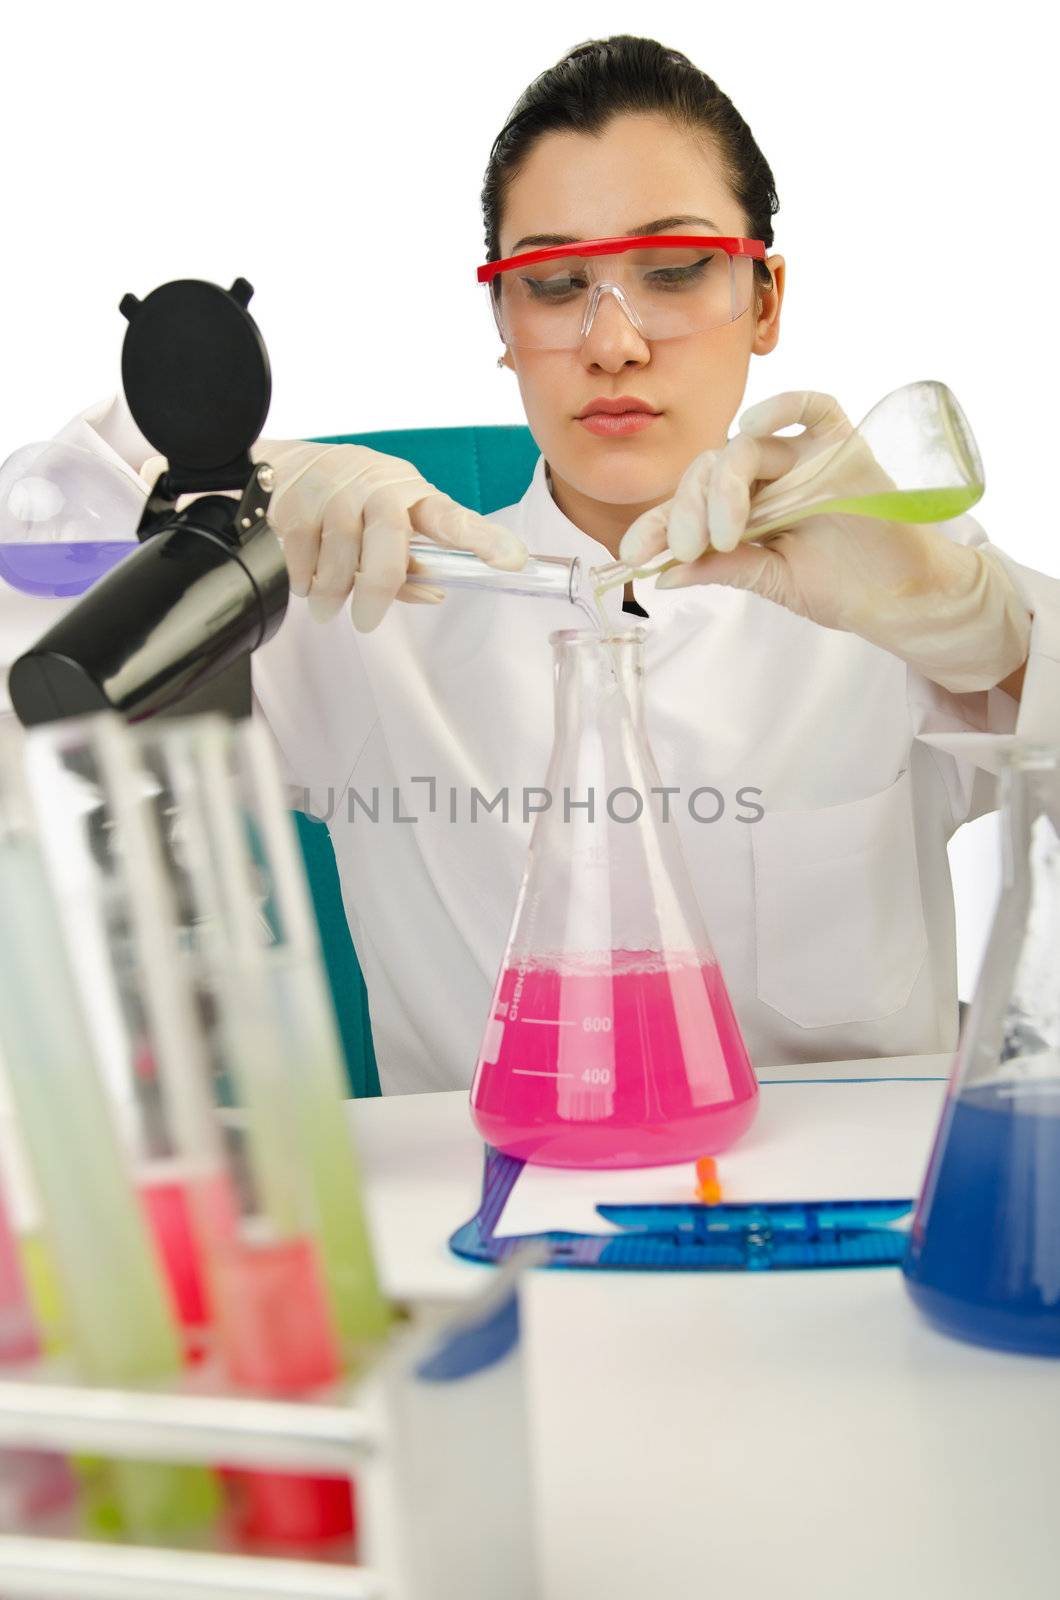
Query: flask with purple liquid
[[67, 516]]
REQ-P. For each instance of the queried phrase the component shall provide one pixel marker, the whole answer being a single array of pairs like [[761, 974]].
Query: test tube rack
[[434, 1436]]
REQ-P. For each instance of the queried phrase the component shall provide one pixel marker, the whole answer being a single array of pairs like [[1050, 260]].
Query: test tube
[[544, 577], [223, 785], [32, 1482], [99, 1498], [226, 1194], [613, 574], [114, 1299]]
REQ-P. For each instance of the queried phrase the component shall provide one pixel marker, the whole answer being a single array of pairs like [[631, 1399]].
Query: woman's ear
[[767, 332]]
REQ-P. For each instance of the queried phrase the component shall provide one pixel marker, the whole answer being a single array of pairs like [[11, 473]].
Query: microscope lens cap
[[196, 372]]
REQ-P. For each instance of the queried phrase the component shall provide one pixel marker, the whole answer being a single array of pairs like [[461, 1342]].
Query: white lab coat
[[832, 915]]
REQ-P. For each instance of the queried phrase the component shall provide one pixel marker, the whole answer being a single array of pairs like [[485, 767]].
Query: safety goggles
[[668, 285]]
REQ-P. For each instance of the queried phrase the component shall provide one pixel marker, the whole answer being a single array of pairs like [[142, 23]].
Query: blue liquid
[[984, 1261], [54, 569]]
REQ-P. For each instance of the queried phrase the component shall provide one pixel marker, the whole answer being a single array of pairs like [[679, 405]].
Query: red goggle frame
[[609, 247]]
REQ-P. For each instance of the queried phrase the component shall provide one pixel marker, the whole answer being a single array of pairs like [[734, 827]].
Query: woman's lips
[[625, 422]]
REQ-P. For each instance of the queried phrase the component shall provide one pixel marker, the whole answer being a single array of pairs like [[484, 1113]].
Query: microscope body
[[170, 630]]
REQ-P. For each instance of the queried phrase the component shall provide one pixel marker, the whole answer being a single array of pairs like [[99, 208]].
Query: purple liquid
[[984, 1262], [54, 569], [636, 1064]]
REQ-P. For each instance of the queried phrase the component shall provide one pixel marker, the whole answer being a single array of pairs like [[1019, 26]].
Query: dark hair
[[605, 78]]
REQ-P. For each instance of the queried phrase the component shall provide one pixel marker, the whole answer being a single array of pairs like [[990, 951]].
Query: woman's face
[[640, 169]]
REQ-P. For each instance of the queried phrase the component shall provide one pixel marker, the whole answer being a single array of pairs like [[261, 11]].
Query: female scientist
[[786, 686]]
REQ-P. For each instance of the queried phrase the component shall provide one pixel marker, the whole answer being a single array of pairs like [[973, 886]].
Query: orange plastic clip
[[708, 1189]]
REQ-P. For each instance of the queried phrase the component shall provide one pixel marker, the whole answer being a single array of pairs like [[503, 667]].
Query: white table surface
[[803, 1435]]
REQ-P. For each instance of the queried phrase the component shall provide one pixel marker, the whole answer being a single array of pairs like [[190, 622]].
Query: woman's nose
[[611, 336]]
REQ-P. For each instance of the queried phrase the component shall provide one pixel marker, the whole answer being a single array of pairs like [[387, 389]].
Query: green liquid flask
[[912, 459]]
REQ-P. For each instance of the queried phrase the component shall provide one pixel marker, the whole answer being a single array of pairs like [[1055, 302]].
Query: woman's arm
[[345, 514], [946, 606]]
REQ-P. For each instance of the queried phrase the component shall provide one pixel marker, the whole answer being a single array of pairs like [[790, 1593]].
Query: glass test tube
[[226, 1193], [32, 1482], [547, 577], [114, 1301], [225, 784]]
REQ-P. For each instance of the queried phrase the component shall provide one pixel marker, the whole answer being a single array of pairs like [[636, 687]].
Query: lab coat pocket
[[839, 922]]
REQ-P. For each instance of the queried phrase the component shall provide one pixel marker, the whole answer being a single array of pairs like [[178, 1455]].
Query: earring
[[500, 361]]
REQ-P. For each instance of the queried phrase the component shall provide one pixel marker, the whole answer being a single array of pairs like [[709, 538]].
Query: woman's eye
[[675, 277], [552, 288]]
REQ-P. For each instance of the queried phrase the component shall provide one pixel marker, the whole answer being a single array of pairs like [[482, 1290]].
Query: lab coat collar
[[549, 532], [555, 533]]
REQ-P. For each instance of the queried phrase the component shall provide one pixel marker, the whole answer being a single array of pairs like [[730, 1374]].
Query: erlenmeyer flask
[[611, 1040], [912, 459], [66, 517], [984, 1254]]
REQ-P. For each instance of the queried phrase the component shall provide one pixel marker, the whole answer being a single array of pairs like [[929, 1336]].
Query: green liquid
[[45, 1293], [155, 1500], [362, 1314], [96, 1257], [893, 505], [307, 1091]]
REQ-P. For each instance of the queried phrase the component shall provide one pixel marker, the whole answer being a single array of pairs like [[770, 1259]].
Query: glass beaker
[[984, 1253], [611, 1040]]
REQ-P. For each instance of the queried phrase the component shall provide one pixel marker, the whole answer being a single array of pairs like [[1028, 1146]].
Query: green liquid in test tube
[[293, 974], [32, 1482], [120, 1325], [225, 1187], [283, 1043]]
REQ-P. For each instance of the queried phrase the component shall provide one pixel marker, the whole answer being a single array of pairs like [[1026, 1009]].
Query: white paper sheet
[[810, 1141]]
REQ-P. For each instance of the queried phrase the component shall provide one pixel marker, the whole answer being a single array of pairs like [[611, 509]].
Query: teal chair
[[484, 468]]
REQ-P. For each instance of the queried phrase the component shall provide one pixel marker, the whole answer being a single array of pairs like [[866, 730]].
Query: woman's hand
[[345, 515], [949, 609]]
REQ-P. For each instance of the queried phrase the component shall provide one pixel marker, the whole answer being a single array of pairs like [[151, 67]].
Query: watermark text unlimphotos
[[623, 803]]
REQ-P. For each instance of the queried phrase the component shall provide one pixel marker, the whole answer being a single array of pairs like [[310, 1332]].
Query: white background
[[336, 159]]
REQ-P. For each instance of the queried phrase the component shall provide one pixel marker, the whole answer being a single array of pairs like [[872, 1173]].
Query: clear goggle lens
[[666, 292]]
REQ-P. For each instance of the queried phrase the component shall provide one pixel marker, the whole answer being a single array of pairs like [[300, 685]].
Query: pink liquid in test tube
[[174, 1206], [637, 1063], [277, 1336], [169, 1213]]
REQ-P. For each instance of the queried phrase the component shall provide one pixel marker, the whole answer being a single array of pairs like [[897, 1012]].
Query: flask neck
[[1016, 1013], [597, 678], [1030, 797]]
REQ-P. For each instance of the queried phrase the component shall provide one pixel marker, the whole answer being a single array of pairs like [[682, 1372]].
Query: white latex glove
[[345, 514], [948, 609]]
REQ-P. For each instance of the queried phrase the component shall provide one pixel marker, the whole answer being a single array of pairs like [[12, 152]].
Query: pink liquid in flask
[[633, 1062]]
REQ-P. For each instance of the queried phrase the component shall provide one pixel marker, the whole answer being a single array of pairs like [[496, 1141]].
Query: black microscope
[[170, 630]]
